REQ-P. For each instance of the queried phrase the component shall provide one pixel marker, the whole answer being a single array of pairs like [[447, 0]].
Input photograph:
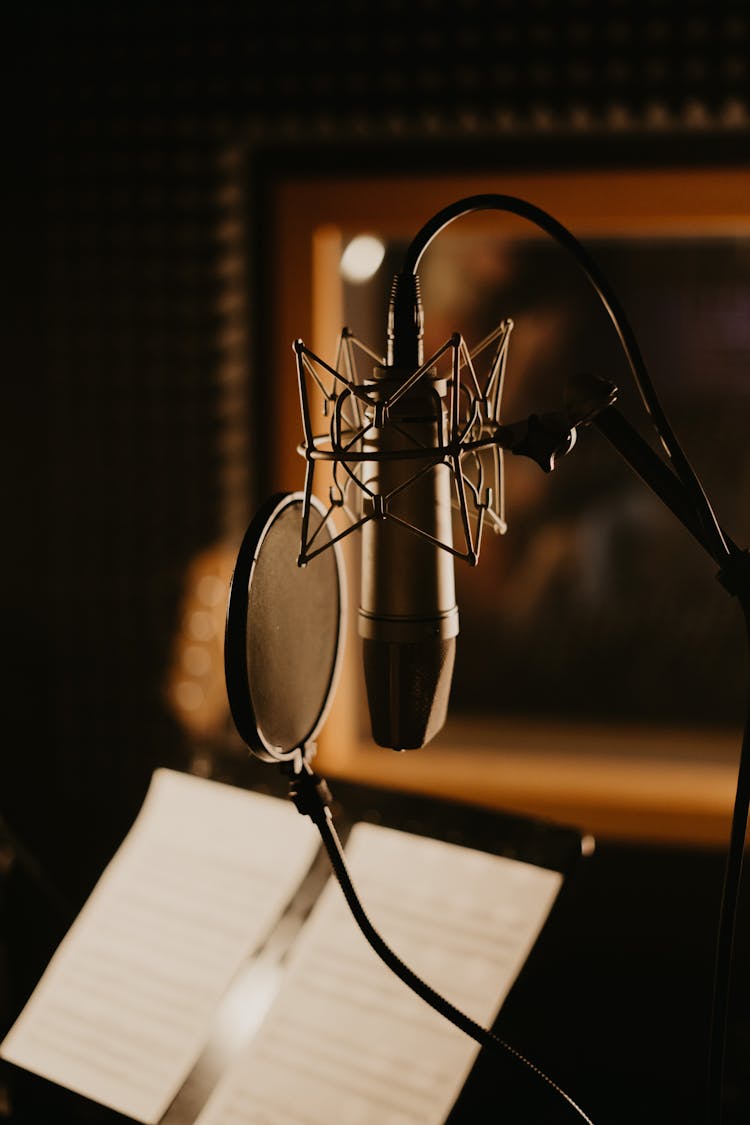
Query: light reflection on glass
[[362, 258]]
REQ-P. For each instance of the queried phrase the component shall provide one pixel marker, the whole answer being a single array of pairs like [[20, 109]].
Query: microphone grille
[[408, 687]]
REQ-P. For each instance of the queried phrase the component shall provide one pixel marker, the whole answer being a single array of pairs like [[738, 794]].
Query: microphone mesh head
[[408, 687]]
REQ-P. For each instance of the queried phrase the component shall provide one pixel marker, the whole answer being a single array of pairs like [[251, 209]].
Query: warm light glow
[[211, 590], [189, 695], [201, 625], [246, 1005], [362, 258], [196, 660]]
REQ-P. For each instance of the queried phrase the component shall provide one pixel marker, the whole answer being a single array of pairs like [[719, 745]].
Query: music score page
[[345, 1039], [123, 1009]]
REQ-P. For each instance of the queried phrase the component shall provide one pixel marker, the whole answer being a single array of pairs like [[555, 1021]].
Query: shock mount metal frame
[[467, 441]]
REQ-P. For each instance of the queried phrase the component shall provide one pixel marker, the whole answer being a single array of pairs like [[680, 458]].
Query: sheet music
[[122, 1010], [345, 1039]]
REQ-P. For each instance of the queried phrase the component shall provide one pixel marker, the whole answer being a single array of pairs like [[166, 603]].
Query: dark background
[[123, 460]]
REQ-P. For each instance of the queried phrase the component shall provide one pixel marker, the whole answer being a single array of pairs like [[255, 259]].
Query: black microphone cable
[[312, 797], [732, 875], [551, 226]]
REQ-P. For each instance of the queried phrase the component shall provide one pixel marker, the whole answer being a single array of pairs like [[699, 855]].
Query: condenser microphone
[[412, 452], [408, 617]]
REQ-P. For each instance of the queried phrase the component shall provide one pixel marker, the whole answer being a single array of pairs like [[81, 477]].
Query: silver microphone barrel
[[408, 616]]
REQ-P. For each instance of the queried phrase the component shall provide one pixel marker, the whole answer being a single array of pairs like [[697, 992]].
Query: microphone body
[[408, 617]]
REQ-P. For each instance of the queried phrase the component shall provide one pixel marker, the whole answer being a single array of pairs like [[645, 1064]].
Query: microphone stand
[[734, 576], [544, 439], [683, 494]]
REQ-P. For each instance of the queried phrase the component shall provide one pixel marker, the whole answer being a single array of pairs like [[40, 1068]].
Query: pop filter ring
[[246, 711]]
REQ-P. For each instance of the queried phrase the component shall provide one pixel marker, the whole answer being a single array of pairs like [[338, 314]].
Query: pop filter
[[281, 655], [284, 632]]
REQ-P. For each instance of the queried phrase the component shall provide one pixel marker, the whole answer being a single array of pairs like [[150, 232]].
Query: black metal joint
[[734, 576], [310, 794]]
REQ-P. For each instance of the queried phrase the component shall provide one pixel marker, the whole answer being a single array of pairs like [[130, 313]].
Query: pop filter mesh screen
[[293, 622]]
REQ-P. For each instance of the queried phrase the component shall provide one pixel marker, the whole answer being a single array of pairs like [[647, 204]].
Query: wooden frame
[[680, 787]]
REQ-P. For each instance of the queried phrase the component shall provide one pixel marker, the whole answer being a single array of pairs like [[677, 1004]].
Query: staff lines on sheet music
[[108, 977], [366, 974], [169, 913], [318, 1051], [432, 859], [137, 915], [169, 910], [203, 907], [111, 1064], [119, 953], [426, 1075], [420, 1016], [121, 935], [472, 917], [123, 998], [121, 1012], [399, 915], [109, 1027], [239, 1111], [159, 853], [492, 948], [340, 961], [375, 1096], [291, 1115], [100, 1044]]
